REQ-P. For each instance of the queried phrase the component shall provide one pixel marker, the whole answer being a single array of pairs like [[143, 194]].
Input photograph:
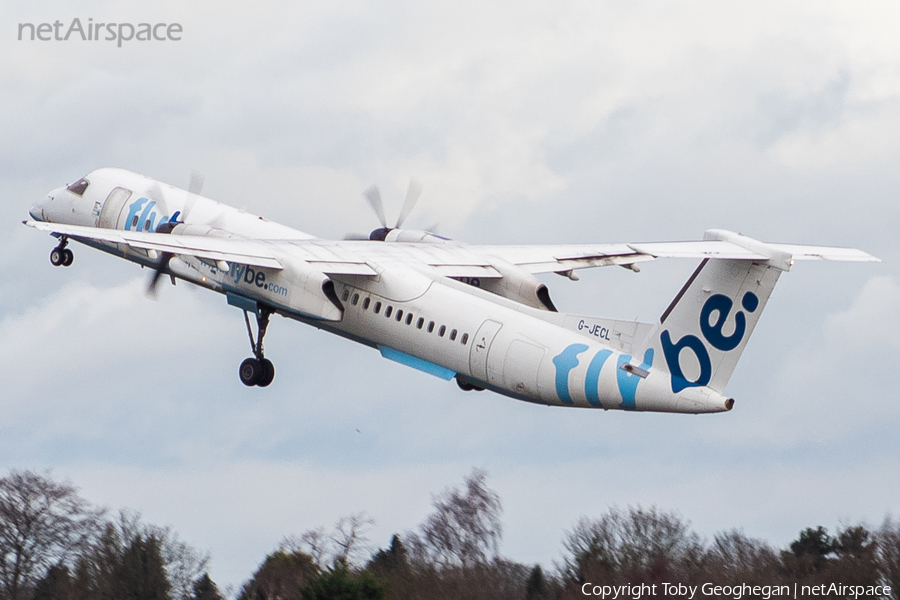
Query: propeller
[[161, 265], [373, 195], [412, 196], [195, 186]]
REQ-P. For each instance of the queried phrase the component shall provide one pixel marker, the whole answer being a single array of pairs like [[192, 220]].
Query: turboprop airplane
[[473, 313]]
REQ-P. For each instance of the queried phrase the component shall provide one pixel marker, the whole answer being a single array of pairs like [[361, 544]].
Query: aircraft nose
[[38, 210]]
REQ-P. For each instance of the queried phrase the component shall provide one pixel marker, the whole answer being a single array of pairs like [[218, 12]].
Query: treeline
[[56, 546]]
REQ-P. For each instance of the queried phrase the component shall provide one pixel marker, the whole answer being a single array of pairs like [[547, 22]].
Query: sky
[[526, 122]]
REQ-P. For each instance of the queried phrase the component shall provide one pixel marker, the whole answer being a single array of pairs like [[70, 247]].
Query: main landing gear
[[259, 370], [61, 256], [466, 386]]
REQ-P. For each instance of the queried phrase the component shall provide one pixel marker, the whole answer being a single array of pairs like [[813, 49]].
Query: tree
[[142, 574], [392, 569], [464, 529], [347, 541], [55, 585], [338, 583], [536, 586], [42, 523], [809, 553], [390, 561], [888, 557], [206, 589], [282, 576], [855, 562], [735, 557], [633, 546]]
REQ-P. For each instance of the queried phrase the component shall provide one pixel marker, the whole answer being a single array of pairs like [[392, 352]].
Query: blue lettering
[[628, 382], [133, 209], [592, 378], [672, 353], [721, 305], [144, 215], [565, 361], [713, 331]]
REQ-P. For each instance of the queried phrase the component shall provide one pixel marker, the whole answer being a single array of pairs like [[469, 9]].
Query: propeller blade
[[194, 189], [197, 181], [412, 196], [373, 195], [163, 263], [433, 228]]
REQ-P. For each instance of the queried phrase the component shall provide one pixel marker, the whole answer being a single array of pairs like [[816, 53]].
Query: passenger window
[[366, 304], [465, 339], [388, 311], [355, 299], [420, 323], [134, 221], [377, 307], [430, 326], [409, 318], [345, 295], [79, 187], [452, 335], [442, 330], [399, 315]]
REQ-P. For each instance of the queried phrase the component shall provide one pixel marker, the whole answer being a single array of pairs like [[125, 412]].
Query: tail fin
[[704, 330]]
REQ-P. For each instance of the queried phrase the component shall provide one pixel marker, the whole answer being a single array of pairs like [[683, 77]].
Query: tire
[[464, 385], [250, 372], [268, 373], [67, 257], [56, 257]]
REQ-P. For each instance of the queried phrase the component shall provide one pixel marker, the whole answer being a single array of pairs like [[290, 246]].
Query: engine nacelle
[[407, 236], [307, 290], [516, 284]]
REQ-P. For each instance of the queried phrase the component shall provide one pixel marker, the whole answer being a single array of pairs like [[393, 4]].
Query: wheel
[[251, 371], [268, 373], [464, 385], [56, 257], [67, 257]]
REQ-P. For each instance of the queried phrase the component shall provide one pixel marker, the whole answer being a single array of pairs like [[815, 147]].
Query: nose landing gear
[[61, 256], [258, 371]]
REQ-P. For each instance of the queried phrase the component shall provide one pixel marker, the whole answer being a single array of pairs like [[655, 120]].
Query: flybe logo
[[142, 215], [627, 381], [720, 306], [250, 276]]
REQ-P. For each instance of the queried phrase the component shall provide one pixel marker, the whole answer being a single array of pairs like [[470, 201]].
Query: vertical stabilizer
[[703, 332]]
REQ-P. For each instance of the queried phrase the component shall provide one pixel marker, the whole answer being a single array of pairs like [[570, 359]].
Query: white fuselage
[[410, 313]]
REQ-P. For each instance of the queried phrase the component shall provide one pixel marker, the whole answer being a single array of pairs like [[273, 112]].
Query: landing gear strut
[[259, 370], [61, 256]]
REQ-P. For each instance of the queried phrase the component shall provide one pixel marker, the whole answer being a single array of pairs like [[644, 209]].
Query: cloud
[[872, 323]]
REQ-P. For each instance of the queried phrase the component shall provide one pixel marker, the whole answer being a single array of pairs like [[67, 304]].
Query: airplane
[[474, 313]]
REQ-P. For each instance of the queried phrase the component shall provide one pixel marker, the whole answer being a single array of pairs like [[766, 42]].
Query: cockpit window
[[79, 186]]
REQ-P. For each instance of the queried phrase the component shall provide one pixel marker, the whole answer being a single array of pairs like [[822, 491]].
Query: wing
[[564, 258], [449, 259], [241, 251]]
